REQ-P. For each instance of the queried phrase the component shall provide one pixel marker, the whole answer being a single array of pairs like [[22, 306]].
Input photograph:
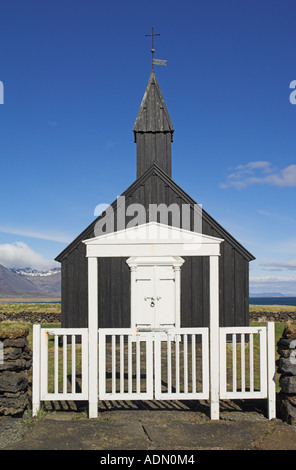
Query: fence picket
[[234, 363], [73, 370], [130, 371], [56, 363], [64, 364], [251, 355], [185, 355], [193, 362], [138, 365], [177, 346], [113, 363], [169, 364], [121, 364], [243, 363]]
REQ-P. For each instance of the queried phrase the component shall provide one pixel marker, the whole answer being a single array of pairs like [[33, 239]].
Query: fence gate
[[157, 364], [247, 364], [60, 364]]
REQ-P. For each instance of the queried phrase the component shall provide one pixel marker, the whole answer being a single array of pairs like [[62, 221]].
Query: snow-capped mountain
[[29, 272], [30, 282], [49, 282]]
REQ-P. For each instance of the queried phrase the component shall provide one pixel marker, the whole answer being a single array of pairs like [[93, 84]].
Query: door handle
[[152, 303]]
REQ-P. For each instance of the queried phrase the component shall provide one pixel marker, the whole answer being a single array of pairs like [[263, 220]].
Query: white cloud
[[20, 255], [110, 144], [54, 237], [273, 284], [276, 216], [273, 279], [260, 172], [291, 265]]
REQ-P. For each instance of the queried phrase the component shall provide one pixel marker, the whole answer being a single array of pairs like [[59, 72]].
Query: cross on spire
[[152, 50]]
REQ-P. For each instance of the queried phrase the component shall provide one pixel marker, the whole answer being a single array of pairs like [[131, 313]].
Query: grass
[[278, 332], [51, 366], [13, 330], [15, 326], [279, 328], [18, 308], [272, 308]]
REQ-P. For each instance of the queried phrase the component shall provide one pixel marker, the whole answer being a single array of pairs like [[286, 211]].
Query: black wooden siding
[[154, 148], [114, 275]]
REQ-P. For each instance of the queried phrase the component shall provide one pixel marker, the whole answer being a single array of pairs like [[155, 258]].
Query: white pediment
[[152, 239], [152, 232]]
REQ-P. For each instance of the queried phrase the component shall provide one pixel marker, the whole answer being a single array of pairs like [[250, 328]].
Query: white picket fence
[[146, 365], [67, 356], [248, 353], [153, 364]]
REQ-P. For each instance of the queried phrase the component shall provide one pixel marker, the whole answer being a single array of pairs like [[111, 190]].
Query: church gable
[[155, 197]]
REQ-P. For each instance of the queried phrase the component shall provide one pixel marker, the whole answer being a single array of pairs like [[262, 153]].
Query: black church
[[153, 135]]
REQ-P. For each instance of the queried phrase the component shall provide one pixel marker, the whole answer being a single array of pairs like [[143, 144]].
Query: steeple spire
[[153, 130], [152, 49]]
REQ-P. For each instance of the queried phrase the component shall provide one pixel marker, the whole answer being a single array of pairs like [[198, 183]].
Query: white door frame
[[153, 239]]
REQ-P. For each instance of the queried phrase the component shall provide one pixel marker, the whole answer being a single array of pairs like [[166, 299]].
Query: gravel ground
[[11, 430], [149, 426]]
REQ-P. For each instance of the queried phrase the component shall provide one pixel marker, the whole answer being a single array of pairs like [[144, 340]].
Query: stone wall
[[287, 368], [15, 370], [47, 317], [270, 316], [31, 317]]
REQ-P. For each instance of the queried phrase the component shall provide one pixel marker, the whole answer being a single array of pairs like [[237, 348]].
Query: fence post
[[271, 371], [93, 337], [214, 337], [36, 369]]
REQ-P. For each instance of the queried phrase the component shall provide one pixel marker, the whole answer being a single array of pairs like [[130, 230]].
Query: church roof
[[153, 115], [162, 179]]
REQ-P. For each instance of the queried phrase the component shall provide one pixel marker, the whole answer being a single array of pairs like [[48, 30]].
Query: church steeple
[[153, 130]]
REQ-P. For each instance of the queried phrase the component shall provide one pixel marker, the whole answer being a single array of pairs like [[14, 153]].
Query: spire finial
[[152, 50]]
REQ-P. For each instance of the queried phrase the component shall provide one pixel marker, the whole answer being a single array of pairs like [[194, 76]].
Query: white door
[[155, 297]]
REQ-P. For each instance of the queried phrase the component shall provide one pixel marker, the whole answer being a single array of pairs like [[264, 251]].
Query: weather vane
[[155, 61]]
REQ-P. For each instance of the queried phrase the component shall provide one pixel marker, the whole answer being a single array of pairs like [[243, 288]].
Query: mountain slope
[[15, 285], [48, 281], [29, 283]]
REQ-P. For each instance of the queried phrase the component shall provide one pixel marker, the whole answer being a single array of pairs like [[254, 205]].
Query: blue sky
[[74, 73]]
